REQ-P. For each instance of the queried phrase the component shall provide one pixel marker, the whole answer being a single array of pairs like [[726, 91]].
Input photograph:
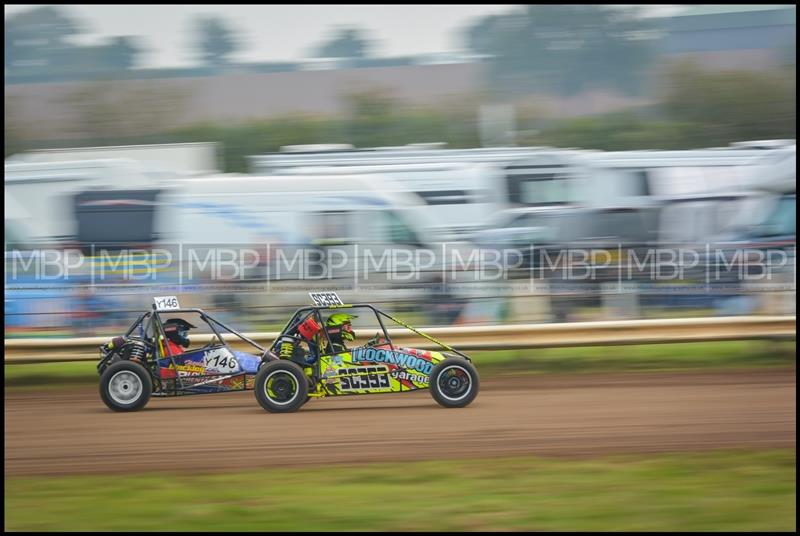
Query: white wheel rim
[[125, 387], [293, 380], [469, 385]]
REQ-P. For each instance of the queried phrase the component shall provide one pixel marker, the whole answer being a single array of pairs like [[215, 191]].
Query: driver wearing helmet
[[340, 329], [177, 332]]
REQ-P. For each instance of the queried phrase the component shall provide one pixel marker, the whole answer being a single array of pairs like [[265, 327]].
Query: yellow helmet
[[340, 327]]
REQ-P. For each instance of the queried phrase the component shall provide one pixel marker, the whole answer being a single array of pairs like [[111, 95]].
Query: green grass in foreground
[[51, 373], [719, 491], [730, 354], [673, 356]]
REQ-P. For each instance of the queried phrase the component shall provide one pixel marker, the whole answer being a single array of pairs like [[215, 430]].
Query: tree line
[[695, 109], [41, 45], [535, 49]]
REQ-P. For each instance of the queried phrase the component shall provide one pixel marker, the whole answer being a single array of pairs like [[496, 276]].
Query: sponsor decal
[[188, 369], [329, 375], [363, 378], [402, 359], [234, 383], [220, 360], [404, 375]]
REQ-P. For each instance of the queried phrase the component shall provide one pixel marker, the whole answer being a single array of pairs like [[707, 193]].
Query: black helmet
[[177, 330]]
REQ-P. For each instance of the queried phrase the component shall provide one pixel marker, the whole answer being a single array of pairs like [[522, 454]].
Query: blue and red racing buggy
[[157, 357], [314, 361]]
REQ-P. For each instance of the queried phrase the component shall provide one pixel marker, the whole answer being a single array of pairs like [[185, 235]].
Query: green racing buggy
[[310, 359]]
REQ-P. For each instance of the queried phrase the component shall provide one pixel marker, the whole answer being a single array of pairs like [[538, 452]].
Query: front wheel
[[125, 386], [454, 383], [281, 386]]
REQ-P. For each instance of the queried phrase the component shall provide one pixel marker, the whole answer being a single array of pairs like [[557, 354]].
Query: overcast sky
[[282, 32]]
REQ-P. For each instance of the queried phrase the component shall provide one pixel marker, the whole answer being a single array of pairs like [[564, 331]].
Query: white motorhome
[[288, 209], [457, 198], [775, 171], [358, 215], [688, 172], [461, 188], [40, 196], [185, 159], [775, 176], [415, 153], [644, 182], [598, 179], [697, 218]]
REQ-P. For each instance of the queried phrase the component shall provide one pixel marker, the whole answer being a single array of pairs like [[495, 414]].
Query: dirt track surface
[[71, 431]]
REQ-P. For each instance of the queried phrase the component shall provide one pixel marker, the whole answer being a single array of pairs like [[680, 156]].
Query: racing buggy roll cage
[[294, 331], [154, 345], [302, 362], [148, 346], [309, 364]]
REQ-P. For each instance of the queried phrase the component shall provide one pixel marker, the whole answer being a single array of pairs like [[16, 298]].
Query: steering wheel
[[376, 339]]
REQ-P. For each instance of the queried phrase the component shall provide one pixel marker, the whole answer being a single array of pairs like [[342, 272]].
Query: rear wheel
[[281, 387], [454, 383], [125, 386]]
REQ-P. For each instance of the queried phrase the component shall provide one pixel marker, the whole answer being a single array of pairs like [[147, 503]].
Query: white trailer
[[775, 177], [457, 199], [288, 209], [776, 171], [185, 159], [332, 155], [40, 196], [766, 193], [351, 213], [641, 181], [599, 179]]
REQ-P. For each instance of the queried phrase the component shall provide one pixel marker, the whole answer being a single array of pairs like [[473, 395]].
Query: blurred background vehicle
[[616, 206], [473, 179], [760, 244], [185, 159], [457, 198], [39, 196]]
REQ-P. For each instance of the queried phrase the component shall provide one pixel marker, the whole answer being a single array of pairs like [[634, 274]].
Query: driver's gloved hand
[[376, 340]]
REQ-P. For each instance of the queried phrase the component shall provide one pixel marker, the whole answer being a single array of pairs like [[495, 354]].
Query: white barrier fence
[[20, 351]]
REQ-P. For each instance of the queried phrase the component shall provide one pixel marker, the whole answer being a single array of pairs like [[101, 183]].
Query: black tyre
[[281, 387], [125, 386], [454, 382]]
